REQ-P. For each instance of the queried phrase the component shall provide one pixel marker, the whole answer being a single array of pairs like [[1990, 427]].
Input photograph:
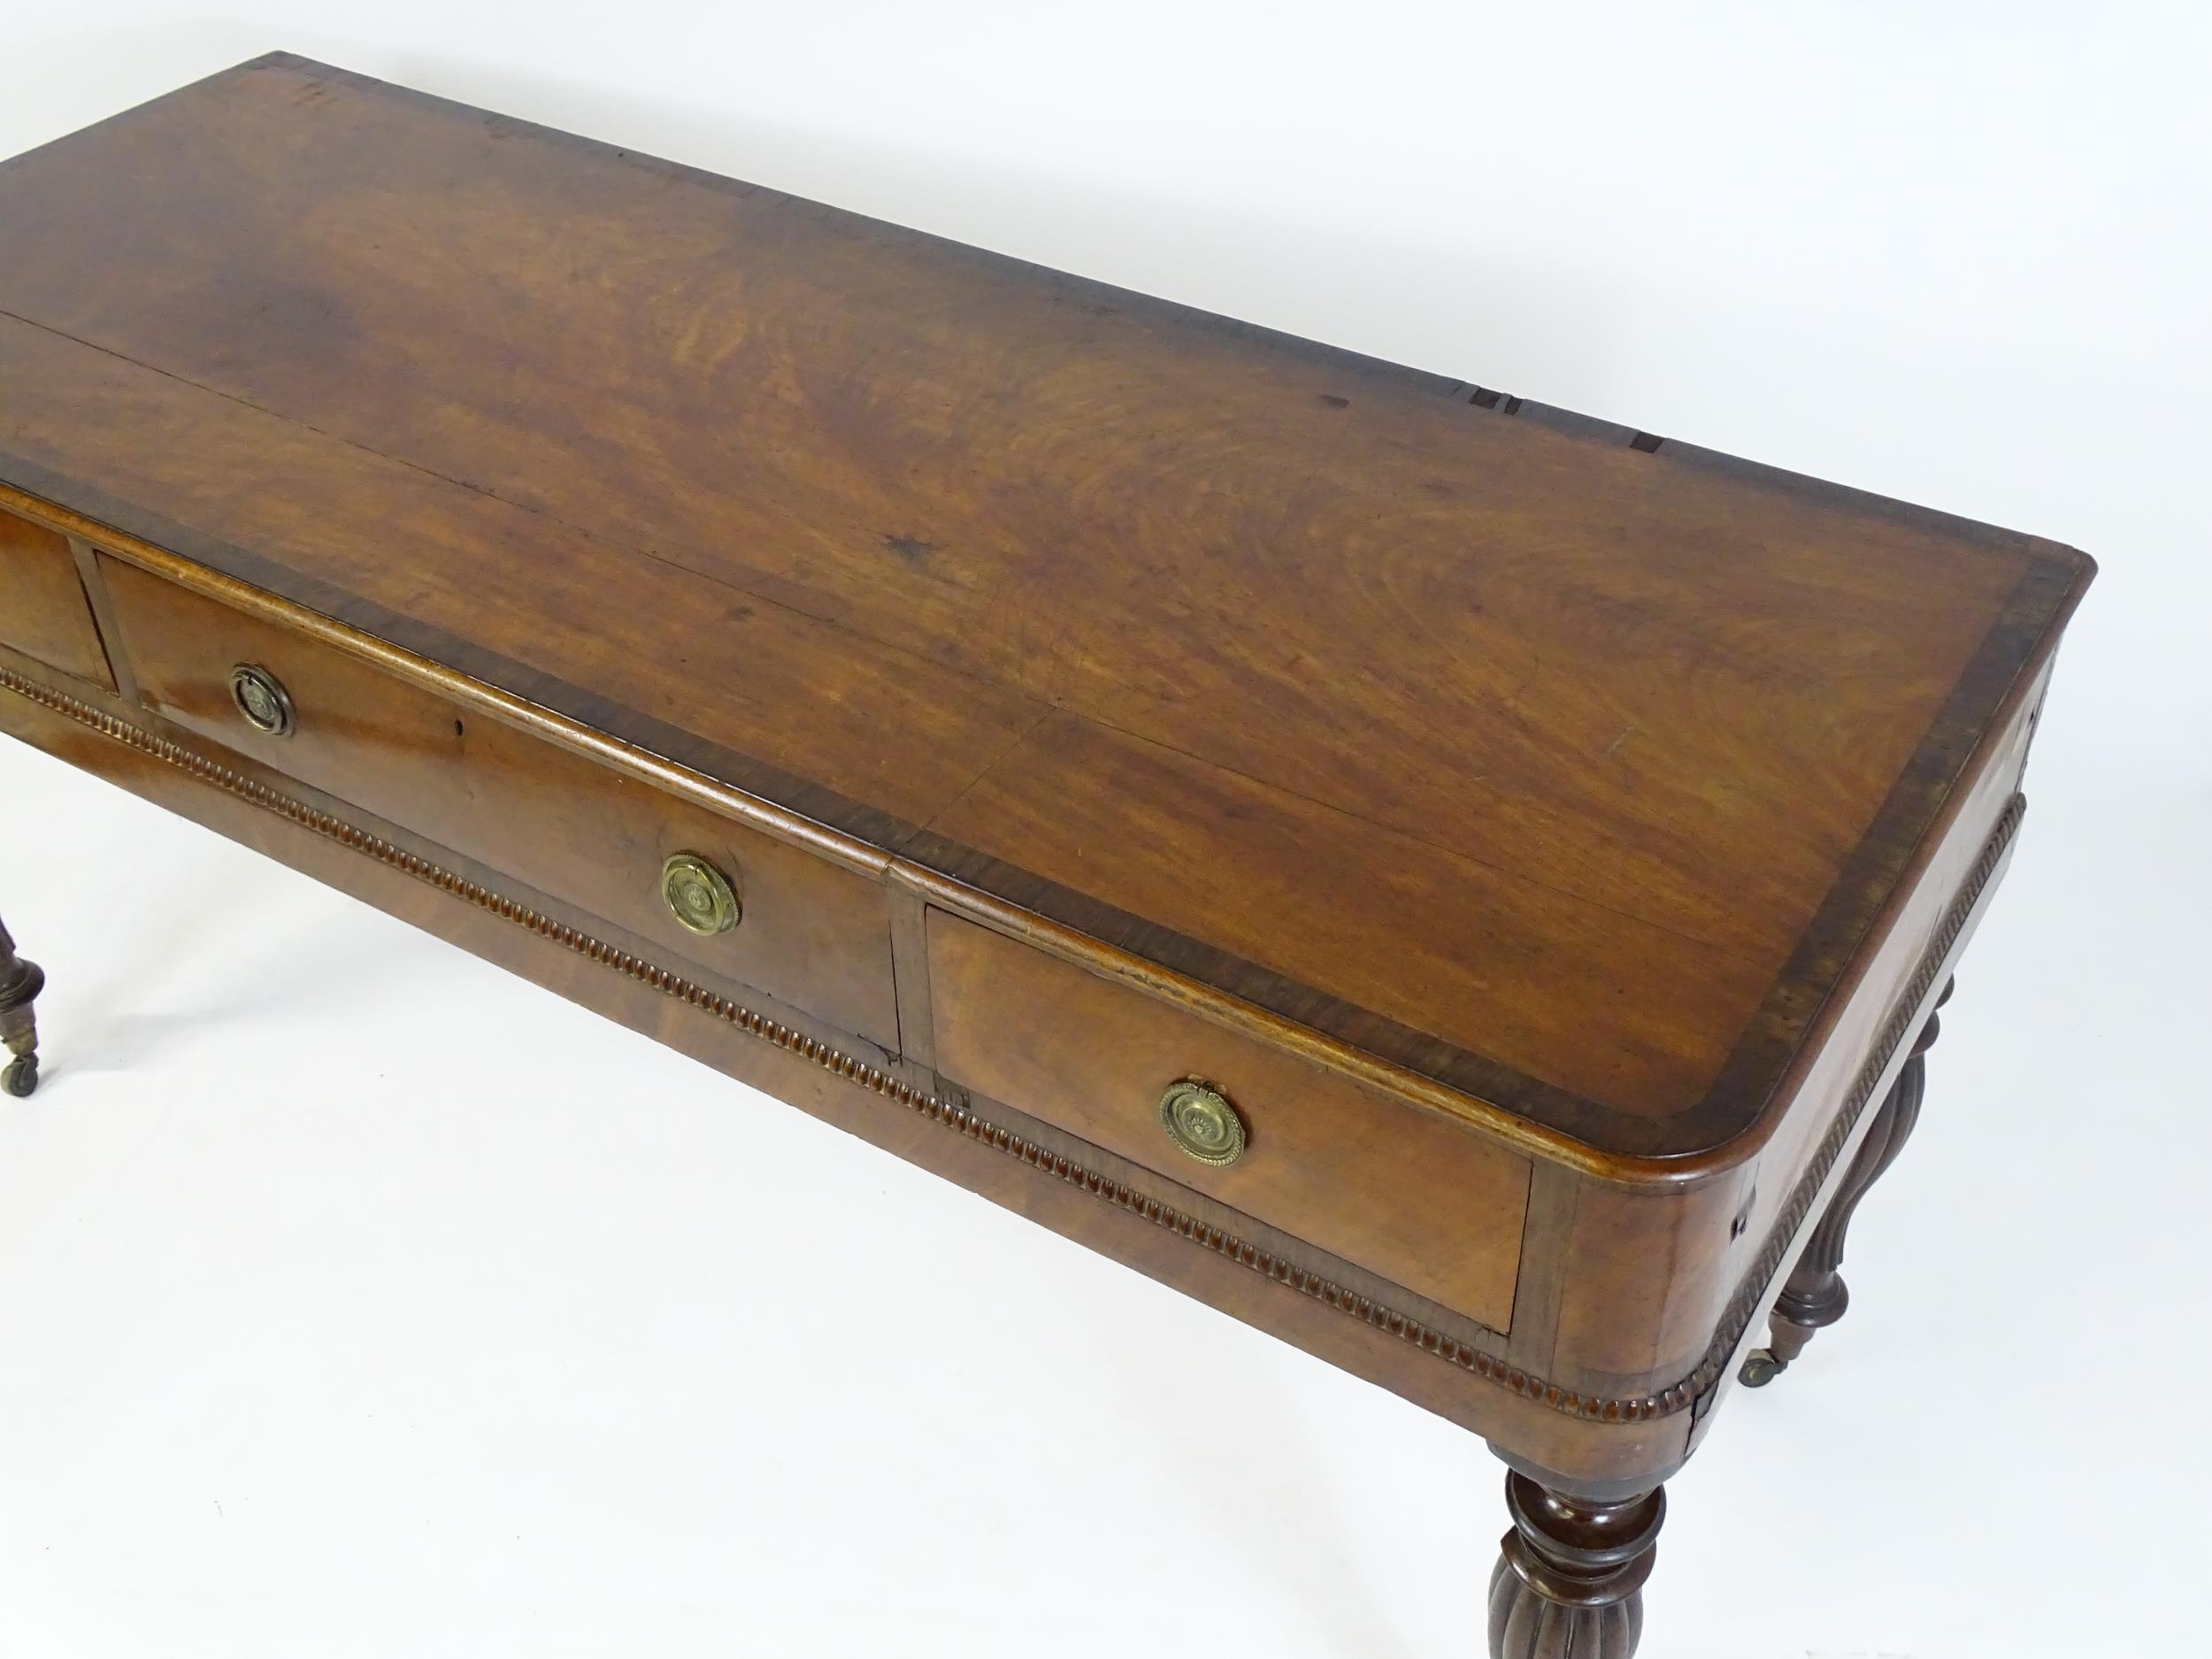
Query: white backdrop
[[356, 1299]]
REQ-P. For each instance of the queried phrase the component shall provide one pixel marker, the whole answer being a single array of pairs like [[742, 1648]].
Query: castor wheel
[[20, 982], [1760, 1368]]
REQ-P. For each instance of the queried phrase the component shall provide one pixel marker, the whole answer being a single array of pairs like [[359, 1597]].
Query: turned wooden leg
[[20, 982], [1569, 1584], [1815, 1296]]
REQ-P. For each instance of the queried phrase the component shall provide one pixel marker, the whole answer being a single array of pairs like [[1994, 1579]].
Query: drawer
[[43, 612], [813, 935], [1381, 1182]]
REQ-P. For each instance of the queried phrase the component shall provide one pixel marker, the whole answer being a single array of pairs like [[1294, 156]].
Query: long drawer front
[[1409, 1195], [1404, 1194], [778, 917]]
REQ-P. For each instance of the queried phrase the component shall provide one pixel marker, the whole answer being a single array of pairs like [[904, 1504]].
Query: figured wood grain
[[1612, 754], [621, 642], [43, 611], [1549, 838], [1495, 965]]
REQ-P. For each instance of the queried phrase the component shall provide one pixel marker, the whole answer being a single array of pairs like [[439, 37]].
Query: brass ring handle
[[1202, 1123], [699, 896], [262, 699]]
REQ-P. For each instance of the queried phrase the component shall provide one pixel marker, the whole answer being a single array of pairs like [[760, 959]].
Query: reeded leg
[[1816, 1295], [1569, 1584], [20, 982]]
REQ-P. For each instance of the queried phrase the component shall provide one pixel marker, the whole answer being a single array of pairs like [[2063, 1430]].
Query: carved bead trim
[[958, 1117], [953, 1115]]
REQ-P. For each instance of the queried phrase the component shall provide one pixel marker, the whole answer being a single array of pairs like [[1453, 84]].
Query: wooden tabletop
[[1558, 763]]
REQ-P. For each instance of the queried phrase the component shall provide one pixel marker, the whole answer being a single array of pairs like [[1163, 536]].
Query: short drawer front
[[813, 935], [1383, 1184], [43, 612]]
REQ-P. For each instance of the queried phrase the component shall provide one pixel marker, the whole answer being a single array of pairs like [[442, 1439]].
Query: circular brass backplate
[[1202, 1123], [261, 698], [699, 896]]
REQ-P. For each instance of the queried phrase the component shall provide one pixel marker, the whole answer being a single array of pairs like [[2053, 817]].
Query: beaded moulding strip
[[958, 1117]]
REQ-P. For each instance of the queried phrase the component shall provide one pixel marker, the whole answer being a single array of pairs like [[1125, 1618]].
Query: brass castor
[[21, 1076], [1761, 1368], [20, 982]]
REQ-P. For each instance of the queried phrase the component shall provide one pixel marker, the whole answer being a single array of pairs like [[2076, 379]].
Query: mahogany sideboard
[[1458, 884]]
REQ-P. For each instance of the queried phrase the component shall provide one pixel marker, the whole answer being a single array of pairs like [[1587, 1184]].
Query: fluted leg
[[20, 982], [1570, 1581], [1816, 1295]]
